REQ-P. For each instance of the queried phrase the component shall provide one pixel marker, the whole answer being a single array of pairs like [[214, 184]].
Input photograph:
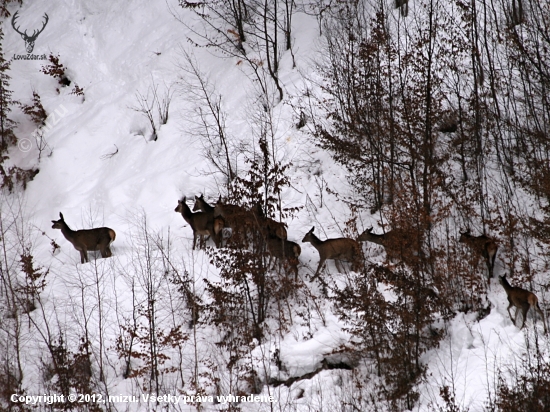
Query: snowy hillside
[[210, 327]]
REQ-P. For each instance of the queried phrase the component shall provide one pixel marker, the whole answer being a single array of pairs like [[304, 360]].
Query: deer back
[[95, 238], [484, 245], [368, 236], [391, 239], [234, 215], [281, 248], [270, 228], [339, 248], [516, 295], [201, 222], [278, 229], [202, 205], [85, 239]]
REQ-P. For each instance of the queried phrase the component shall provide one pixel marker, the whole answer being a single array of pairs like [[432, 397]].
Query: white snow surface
[[115, 49]]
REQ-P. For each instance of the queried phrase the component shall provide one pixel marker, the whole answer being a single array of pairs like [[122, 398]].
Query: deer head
[[29, 40]]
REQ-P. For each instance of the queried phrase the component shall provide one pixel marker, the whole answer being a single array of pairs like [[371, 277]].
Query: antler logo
[[29, 40]]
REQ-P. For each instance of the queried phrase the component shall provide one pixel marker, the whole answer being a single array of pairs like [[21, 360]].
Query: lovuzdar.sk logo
[[29, 39]]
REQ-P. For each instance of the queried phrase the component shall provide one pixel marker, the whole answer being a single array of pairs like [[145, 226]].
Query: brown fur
[[240, 220], [202, 223], [397, 243], [88, 239], [284, 250], [267, 226], [484, 246], [521, 299], [219, 222], [336, 249]]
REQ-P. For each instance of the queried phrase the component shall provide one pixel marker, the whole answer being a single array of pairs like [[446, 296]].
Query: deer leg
[[489, 268], [194, 240], [108, 251], [356, 262], [510, 313], [83, 256], [493, 258], [524, 309], [537, 308], [321, 262], [294, 265]]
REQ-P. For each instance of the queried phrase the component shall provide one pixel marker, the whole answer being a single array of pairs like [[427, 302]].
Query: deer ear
[[61, 216], [312, 229]]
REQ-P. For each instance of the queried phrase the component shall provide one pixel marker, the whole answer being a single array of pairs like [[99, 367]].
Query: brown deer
[[202, 223], [482, 245], [202, 205], [521, 299], [88, 239], [336, 249], [397, 243], [240, 220], [284, 251], [267, 226], [219, 222]]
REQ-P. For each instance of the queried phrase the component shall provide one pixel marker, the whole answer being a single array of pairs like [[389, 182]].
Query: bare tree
[[208, 116], [154, 107], [256, 25]]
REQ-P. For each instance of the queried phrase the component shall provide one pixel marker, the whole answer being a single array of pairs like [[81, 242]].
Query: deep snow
[[114, 50]]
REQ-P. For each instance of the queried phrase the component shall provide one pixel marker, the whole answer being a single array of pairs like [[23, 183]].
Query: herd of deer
[[209, 221]]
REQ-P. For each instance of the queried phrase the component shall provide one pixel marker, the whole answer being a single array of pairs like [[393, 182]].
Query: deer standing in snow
[[87, 239], [337, 249], [239, 219], [219, 222], [283, 250], [521, 299], [484, 246], [398, 243], [202, 223], [267, 226]]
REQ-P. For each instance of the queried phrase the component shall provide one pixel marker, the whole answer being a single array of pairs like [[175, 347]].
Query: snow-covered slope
[[101, 168]]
